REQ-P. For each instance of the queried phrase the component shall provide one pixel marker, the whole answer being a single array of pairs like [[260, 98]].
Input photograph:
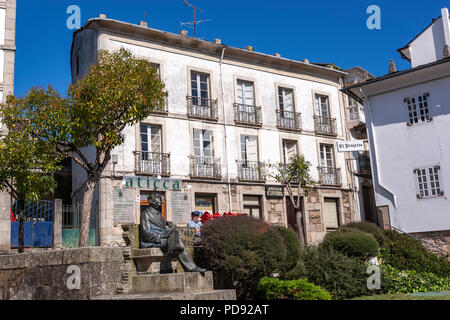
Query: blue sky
[[321, 31]]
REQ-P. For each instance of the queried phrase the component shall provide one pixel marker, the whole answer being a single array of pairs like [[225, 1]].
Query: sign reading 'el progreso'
[[349, 146], [152, 183]]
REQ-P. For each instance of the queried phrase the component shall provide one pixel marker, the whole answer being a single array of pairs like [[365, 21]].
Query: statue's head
[[155, 200]]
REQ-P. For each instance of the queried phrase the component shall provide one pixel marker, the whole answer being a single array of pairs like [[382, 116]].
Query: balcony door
[[151, 149], [203, 153], [249, 157], [246, 101], [200, 106], [286, 103], [327, 164], [289, 150], [322, 107]]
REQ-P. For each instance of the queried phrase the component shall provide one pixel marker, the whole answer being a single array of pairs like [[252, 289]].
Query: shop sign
[[152, 183], [275, 192], [350, 146]]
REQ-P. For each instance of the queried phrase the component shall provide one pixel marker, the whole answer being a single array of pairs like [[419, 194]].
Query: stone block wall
[[44, 275], [435, 240]]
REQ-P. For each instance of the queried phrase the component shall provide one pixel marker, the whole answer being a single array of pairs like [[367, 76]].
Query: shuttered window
[[245, 92], [286, 99], [289, 150], [199, 85], [322, 108], [150, 138], [203, 143], [330, 213], [249, 148]]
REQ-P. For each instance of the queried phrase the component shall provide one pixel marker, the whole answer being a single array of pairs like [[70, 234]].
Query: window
[[428, 184], [249, 148], [156, 67], [353, 111], [252, 206], [418, 109], [330, 213], [286, 100], [205, 202], [203, 143], [322, 107], [326, 155], [289, 150], [151, 159], [151, 138], [199, 86], [245, 93]]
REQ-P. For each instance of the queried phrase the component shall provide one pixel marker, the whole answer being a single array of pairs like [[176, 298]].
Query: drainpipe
[[230, 208]]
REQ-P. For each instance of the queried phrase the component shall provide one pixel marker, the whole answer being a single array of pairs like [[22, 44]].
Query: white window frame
[[427, 185], [418, 109]]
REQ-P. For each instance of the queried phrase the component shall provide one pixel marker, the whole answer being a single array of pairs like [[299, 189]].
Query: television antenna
[[193, 24]]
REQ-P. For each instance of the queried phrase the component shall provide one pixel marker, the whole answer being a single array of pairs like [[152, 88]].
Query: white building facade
[[7, 61], [229, 110], [408, 121]]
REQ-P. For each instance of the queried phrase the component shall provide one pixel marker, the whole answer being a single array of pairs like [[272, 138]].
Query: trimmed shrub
[[241, 250], [344, 277], [407, 253], [293, 247], [352, 242], [372, 229], [410, 281], [300, 289]]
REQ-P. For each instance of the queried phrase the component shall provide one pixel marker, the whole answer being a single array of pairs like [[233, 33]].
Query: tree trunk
[[21, 207], [86, 212], [301, 229]]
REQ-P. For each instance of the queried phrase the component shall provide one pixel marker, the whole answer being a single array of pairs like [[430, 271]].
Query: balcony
[[289, 120], [250, 171], [163, 109], [205, 167], [247, 114], [152, 163], [202, 108], [329, 176], [325, 125]]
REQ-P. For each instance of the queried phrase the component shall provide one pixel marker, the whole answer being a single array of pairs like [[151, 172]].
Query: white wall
[[400, 149], [174, 72]]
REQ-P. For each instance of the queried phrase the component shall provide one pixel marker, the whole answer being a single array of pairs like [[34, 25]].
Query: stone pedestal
[[5, 222]]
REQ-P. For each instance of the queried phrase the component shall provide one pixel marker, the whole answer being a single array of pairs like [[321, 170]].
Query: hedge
[[300, 289]]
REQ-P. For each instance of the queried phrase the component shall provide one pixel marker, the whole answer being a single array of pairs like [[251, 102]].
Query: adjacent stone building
[[7, 53], [228, 111]]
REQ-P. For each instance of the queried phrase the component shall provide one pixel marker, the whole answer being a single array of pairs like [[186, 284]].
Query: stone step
[[199, 295], [171, 283]]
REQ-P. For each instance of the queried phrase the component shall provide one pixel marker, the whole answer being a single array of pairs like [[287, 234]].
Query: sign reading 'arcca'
[[152, 183]]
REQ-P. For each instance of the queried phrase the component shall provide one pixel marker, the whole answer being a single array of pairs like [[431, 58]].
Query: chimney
[[277, 55], [102, 16], [446, 24], [305, 60], [143, 24], [249, 48], [392, 67], [217, 41], [183, 33]]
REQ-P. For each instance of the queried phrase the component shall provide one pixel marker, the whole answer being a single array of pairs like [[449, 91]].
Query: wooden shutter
[[330, 213], [252, 148]]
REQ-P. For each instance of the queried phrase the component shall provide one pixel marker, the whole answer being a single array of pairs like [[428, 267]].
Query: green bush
[[352, 242], [410, 281], [344, 277], [241, 250], [372, 229], [407, 253], [300, 289], [293, 247]]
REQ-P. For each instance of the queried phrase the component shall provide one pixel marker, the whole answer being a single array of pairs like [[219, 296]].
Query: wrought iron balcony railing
[[289, 120], [205, 167], [325, 125], [152, 163], [250, 171], [330, 176], [162, 109], [247, 114], [202, 108]]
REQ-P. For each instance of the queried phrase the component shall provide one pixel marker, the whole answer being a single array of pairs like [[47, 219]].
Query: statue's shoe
[[198, 269]]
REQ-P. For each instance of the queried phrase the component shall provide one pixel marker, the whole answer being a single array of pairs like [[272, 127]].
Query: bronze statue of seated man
[[156, 233]]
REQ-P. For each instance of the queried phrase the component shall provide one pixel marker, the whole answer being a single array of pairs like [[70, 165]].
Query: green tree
[[294, 175], [26, 167], [118, 91]]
